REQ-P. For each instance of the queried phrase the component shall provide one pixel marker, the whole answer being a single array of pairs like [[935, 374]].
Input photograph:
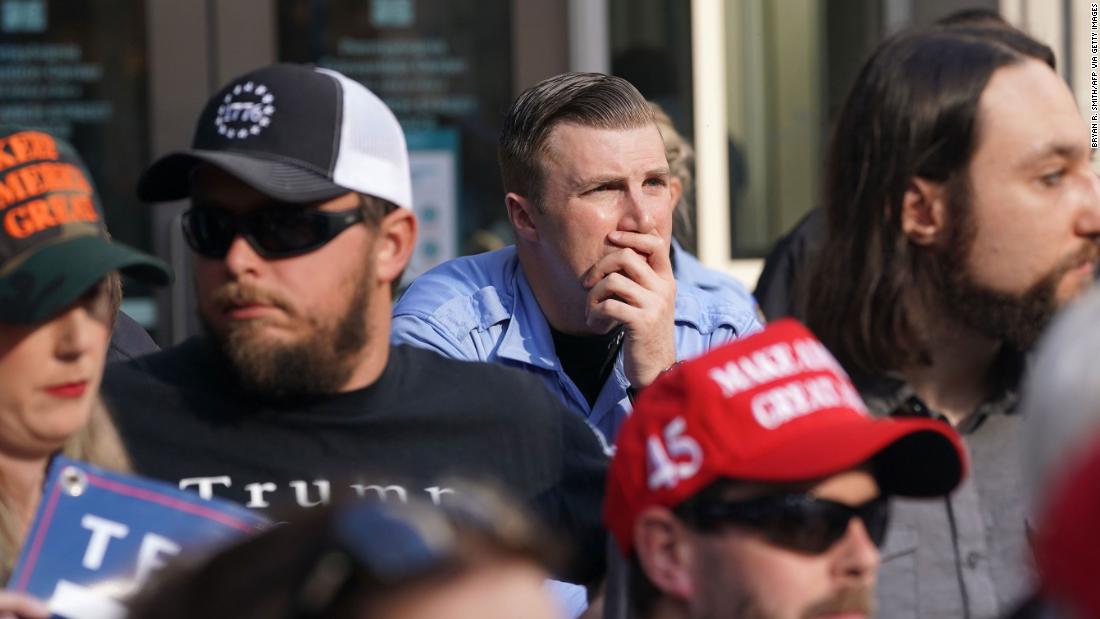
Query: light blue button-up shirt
[[688, 270], [481, 308]]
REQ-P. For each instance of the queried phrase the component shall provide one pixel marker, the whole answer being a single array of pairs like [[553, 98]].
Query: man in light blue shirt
[[587, 298]]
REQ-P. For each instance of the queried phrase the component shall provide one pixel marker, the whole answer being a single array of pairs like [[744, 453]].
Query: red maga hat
[[772, 407]]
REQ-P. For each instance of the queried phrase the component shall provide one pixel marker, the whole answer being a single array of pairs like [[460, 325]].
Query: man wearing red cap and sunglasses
[[752, 482]]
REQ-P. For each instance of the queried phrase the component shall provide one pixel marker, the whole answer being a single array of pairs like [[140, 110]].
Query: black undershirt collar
[[588, 359]]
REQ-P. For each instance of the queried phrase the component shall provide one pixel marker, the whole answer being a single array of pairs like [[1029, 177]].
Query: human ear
[[522, 215], [923, 210], [665, 552], [394, 244]]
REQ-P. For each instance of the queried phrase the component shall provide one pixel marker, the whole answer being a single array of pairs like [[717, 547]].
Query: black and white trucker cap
[[297, 133]]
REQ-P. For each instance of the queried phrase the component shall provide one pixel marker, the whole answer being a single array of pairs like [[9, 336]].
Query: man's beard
[[853, 599], [1018, 319], [319, 361], [720, 596]]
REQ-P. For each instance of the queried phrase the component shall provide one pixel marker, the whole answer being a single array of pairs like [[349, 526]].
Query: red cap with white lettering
[[772, 407]]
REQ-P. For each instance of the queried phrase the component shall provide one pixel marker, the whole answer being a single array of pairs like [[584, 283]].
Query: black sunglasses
[[274, 232], [799, 522]]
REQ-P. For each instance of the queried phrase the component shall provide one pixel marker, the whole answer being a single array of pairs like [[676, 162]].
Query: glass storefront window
[[76, 68]]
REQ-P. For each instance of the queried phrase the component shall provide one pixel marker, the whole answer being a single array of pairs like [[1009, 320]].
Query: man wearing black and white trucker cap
[[300, 222]]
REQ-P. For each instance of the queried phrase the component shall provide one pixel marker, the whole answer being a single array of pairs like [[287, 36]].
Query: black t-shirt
[[426, 418], [129, 340]]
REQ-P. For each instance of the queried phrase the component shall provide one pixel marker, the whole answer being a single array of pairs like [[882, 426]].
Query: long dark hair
[[913, 112]]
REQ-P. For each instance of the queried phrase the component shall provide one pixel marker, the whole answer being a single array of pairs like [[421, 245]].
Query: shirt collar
[[686, 268], [889, 394], [527, 337]]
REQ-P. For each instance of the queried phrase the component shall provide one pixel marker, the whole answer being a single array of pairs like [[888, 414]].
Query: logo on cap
[[245, 111], [675, 458], [39, 190]]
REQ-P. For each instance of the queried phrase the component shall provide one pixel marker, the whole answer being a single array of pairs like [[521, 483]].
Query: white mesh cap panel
[[372, 156]]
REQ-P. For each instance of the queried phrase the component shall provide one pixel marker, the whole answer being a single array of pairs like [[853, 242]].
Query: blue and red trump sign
[[98, 536]]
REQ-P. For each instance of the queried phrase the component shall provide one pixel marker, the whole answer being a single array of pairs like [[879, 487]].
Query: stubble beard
[[319, 361]]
